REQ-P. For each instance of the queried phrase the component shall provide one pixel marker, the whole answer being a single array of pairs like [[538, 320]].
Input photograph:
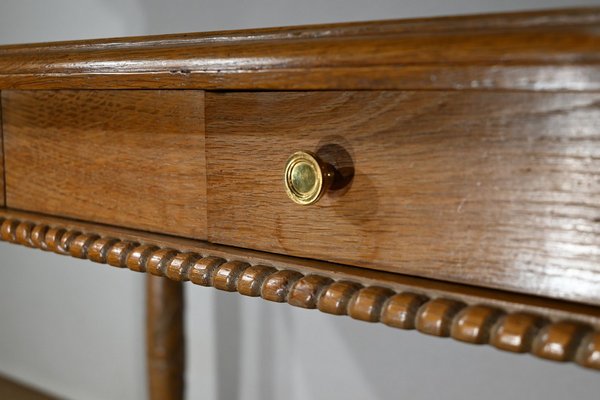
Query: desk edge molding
[[536, 51], [520, 325]]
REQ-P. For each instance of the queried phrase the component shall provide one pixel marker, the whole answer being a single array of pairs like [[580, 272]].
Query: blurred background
[[75, 329]]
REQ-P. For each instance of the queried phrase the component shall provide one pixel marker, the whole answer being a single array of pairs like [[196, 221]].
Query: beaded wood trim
[[518, 332]]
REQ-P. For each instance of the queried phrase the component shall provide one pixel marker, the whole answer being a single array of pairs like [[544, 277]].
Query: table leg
[[164, 338]]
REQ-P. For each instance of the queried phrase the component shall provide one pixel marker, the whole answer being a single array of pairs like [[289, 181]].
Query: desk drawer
[[493, 189], [130, 158]]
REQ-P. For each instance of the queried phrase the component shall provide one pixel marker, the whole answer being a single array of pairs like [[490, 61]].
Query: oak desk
[[437, 174]]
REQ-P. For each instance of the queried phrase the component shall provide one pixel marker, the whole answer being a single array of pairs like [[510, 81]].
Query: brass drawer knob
[[307, 177]]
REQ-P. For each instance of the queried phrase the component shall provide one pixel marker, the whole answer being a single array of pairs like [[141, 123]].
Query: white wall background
[[75, 328]]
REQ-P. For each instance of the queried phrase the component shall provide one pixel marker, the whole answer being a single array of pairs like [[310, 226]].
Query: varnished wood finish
[[493, 189], [2, 187], [588, 354], [550, 329], [548, 50], [131, 158], [473, 324], [515, 332], [164, 338], [559, 341], [470, 155]]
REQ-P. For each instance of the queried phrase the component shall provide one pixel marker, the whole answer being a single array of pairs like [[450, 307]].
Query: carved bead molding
[[561, 335]]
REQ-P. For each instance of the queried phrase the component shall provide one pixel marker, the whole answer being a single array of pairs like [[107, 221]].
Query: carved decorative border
[[518, 332]]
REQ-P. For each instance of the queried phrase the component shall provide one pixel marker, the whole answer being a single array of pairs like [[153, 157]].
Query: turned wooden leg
[[164, 338]]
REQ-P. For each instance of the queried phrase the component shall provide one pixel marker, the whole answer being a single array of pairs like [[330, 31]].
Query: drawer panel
[[130, 158], [493, 189]]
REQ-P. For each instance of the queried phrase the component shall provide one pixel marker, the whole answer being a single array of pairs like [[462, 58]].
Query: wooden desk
[[454, 163]]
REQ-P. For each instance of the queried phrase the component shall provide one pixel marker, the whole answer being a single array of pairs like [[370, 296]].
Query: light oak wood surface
[[541, 50], [493, 189], [551, 329], [2, 187], [467, 157], [130, 158]]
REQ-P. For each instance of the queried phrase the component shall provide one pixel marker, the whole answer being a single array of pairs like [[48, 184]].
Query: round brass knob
[[307, 177]]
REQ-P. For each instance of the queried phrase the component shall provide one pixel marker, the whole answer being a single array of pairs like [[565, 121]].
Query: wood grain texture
[[165, 348], [543, 50], [131, 158], [2, 187], [494, 189], [550, 329]]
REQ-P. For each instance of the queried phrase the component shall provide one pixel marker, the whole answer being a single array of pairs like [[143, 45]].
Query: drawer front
[[493, 189], [130, 158]]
